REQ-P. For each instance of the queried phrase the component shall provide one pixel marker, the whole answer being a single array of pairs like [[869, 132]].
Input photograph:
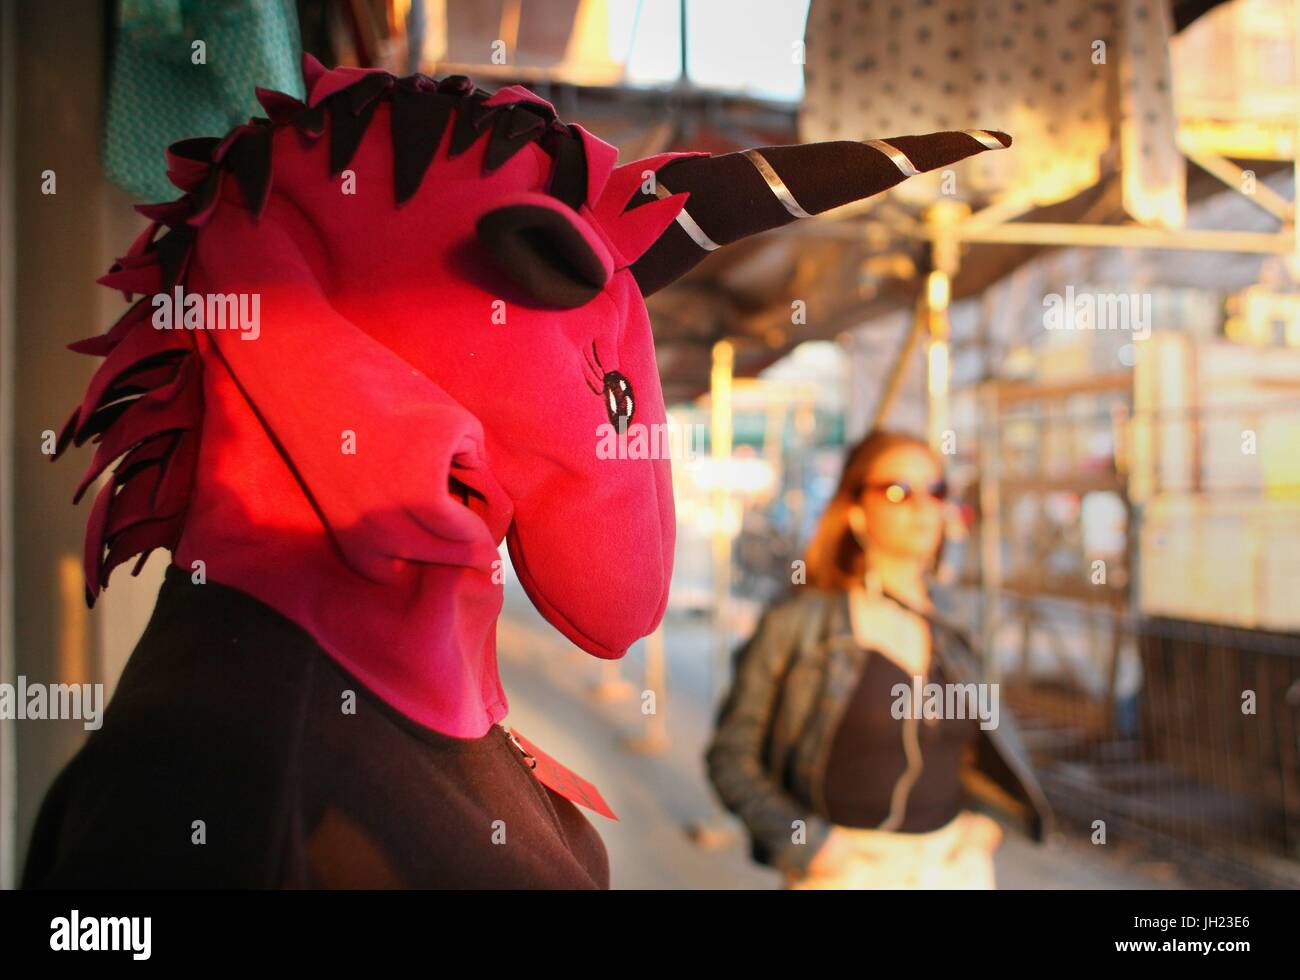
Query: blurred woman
[[857, 734]]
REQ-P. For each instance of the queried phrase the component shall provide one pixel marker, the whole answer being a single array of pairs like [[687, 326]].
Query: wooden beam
[[1231, 175], [1130, 236], [898, 371]]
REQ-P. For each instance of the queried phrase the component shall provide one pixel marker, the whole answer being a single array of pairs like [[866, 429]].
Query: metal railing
[[1197, 762]]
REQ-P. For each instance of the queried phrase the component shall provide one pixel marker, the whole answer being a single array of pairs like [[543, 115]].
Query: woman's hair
[[835, 559]]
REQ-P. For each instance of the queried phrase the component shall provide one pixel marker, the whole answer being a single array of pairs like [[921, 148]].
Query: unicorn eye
[[614, 389], [618, 399]]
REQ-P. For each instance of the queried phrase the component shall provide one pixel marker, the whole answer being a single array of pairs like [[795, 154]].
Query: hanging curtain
[[158, 94]]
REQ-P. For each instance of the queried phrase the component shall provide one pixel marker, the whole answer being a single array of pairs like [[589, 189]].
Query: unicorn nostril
[[462, 491]]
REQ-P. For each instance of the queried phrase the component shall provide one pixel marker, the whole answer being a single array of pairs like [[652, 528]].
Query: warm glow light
[[938, 290], [587, 58], [938, 367], [737, 475]]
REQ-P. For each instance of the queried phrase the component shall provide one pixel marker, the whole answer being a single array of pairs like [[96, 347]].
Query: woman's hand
[[831, 855], [978, 833], [847, 861], [840, 852], [968, 864], [832, 865]]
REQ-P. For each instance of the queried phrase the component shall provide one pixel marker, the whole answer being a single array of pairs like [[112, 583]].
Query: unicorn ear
[[547, 250]]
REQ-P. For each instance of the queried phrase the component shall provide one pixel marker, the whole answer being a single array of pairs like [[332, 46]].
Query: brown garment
[[868, 758], [229, 714]]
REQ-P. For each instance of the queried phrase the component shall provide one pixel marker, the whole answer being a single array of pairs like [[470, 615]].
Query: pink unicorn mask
[[407, 314]]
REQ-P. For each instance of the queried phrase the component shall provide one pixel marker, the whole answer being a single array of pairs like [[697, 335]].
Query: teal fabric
[[158, 95]]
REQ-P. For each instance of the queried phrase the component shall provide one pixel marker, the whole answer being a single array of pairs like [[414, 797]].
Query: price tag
[[564, 781]]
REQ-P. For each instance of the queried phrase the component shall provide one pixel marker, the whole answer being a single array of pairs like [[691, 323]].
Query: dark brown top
[[229, 714], [868, 757]]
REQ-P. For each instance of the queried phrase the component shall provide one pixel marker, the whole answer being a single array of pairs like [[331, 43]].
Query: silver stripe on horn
[[776, 185], [686, 221], [897, 156], [985, 137]]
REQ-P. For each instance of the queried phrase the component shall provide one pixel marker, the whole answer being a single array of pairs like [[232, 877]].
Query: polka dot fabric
[[877, 68]]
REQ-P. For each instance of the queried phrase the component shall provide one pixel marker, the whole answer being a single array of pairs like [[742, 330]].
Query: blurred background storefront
[[1100, 330]]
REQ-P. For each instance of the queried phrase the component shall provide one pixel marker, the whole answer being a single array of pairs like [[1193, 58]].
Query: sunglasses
[[900, 491]]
